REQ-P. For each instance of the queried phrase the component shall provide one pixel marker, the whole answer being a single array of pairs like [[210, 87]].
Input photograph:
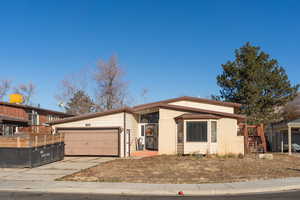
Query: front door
[[151, 133]]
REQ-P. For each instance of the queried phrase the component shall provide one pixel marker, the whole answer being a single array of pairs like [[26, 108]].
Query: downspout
[[124, 133]]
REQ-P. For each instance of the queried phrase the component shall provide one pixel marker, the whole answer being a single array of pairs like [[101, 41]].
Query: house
[[25, 136], [15, 118], [183, 125], [285, 134]]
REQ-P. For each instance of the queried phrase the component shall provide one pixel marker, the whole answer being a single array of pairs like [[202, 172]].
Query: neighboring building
[[15, 118], [183, 125], [285, 135]]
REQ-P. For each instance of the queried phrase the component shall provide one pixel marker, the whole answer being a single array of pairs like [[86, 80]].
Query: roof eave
[[91, 115], [197, 116], [187, 98]]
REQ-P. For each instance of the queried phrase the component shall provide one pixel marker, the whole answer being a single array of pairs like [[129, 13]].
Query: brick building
[[18, 118]]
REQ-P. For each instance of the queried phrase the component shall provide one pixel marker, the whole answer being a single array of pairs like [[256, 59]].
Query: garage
[[96, 141]]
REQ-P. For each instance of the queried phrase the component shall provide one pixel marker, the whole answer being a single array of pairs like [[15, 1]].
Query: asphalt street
[[292, 195]]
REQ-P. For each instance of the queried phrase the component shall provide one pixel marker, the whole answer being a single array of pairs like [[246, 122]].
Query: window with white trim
[[33, 117]]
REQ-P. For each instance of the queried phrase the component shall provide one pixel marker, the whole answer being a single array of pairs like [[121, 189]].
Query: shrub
[[241, 156], [228, 155]]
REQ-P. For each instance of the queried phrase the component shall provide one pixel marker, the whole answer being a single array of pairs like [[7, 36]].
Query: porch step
[[144, 153]]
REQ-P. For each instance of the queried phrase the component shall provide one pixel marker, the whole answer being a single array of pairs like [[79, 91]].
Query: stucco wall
[[228, 140], [103, 121], [132, 124], [204, 106], [167, 131]]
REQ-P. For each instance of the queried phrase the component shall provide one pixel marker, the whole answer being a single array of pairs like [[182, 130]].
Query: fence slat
[[30, 140]]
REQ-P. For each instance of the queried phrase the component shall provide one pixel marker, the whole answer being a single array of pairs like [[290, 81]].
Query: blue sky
[[172, 48]]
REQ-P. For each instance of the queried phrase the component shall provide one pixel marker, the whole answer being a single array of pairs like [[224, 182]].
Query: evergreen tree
[[258, 82], [80, 103]]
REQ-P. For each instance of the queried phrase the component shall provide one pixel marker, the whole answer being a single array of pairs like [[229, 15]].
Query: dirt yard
[[190, 169]]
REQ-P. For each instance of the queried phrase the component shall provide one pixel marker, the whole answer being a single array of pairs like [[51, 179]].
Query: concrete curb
[[275, 185]]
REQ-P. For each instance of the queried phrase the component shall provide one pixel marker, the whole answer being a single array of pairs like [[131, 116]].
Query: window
[[240, 131], [33, 117], [50, 118], [143, 130], [213, 131], [150, 118], [8, 130], [1, 130], [53, 118], [180, 132], [196, 131]]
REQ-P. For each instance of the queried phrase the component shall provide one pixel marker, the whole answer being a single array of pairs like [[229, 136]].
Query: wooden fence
[[36, 129], [30, 140], [254, 138]]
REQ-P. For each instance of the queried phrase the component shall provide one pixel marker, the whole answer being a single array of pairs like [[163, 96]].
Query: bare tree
[[68, 90], [70, 85], [4, 88], [111, 90], [27, 91], [144, 94]]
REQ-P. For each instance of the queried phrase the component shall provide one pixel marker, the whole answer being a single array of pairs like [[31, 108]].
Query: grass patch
[[190, 169]]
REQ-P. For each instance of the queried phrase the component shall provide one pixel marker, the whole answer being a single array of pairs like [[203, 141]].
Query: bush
[[229, 155], [241, 156]]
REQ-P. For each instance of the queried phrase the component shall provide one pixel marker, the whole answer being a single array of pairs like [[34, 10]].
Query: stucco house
[[183, 125]]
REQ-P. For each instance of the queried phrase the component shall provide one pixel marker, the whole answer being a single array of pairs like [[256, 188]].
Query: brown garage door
[[91, 142]]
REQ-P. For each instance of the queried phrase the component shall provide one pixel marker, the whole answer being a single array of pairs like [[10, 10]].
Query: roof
[[197, 116], [198, 111], [34, 108], [187, 98], [285, 123], [12, 119], [162, 104], [295, 121], [91, 115]]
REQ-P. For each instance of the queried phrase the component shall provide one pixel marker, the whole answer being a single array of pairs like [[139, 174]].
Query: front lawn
[[190, 169]]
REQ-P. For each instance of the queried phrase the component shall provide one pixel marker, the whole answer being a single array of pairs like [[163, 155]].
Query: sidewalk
[[51, 171], [274, 185]]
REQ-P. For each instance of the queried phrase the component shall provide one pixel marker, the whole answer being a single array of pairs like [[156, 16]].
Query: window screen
[[196, 131]]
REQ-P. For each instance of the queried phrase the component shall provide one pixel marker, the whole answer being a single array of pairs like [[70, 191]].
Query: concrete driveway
[[52, 171]]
